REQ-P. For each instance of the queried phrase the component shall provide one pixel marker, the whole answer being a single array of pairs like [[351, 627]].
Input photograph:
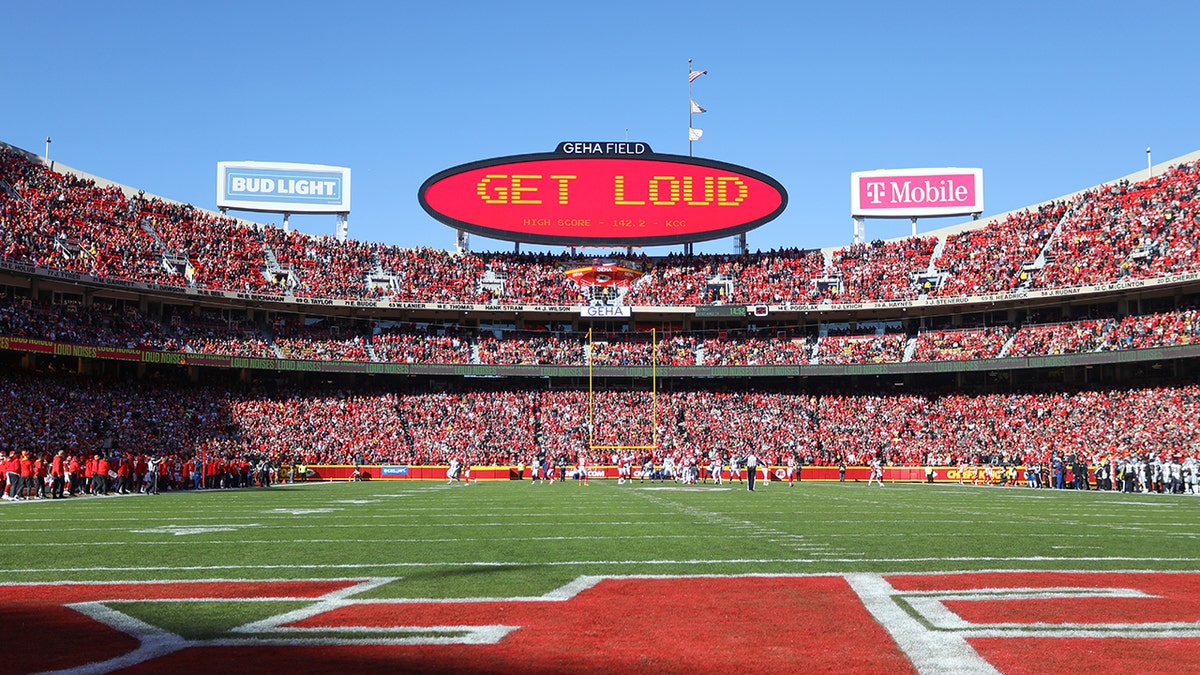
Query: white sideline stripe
[[389, 540], [931, 652], [427, 635], [423, 635], [1130, 631], [1142, 533], [286, 524], [736, 575], [205, 580], [610, 563]]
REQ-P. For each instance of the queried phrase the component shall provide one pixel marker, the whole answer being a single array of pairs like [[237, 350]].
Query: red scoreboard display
[[602, 194]]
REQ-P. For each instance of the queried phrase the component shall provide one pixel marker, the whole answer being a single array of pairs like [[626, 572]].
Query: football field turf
[[520, 577]]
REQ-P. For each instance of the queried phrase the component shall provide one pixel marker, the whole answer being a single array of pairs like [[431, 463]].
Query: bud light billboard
[[283, 187]]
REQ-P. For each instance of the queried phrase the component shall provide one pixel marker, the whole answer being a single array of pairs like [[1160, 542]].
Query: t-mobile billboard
[[283, 187], [912, 193]]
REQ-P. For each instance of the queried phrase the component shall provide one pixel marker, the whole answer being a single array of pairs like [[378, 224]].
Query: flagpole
[[690, 141]]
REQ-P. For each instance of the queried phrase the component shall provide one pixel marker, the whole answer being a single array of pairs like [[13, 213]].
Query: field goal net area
[[622, 420]]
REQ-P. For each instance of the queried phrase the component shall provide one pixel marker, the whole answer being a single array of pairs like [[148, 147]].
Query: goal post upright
[[591, 417], [653, 388]]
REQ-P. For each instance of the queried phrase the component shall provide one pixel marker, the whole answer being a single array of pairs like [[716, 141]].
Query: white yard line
[[624, 563]]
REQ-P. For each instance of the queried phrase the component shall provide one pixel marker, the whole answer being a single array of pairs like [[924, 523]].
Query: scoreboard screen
[[606, 194]]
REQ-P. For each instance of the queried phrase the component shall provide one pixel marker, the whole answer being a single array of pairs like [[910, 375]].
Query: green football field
[[392, 544], [518, 537]]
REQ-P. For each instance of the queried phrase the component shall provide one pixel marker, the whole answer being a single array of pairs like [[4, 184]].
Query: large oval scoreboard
[[602, 194]]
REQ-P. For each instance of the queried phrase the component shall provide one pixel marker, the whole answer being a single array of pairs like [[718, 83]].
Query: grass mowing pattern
[[514, 538], [201, 620], [320, 577]]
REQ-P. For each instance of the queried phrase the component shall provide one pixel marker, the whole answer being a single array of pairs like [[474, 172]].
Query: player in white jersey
[[876, 472], [583, 474], [1175, 469], [791, 470]]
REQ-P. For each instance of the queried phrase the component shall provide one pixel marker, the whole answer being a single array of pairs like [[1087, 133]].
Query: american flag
[[693, 74]]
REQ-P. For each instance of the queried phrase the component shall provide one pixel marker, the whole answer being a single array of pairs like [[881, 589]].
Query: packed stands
[[432, 275], [784, 349], [220, 253], [778, 277], [61, 222], [993, 258], [531, 348], [506, 426], [1112, 233], [882, 271], [421, 344], [232, 339], [960, 345], [1128, 231], [327, 339], [859, 348], [319, 266]]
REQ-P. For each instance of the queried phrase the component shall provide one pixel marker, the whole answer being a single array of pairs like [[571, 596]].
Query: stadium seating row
[[1118, 232], [508, 426], [101, 324]]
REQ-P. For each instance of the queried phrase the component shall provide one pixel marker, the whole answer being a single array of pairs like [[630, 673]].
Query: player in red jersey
[[12, 476]]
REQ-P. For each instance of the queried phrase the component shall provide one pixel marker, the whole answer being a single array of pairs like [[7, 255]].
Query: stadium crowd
[[105, 324], [281, 426], [202, 436], [1116, 232]]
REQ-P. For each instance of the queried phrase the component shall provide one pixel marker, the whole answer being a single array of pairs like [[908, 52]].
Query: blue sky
[[1047, 98]]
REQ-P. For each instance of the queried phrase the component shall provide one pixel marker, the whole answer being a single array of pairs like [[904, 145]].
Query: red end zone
[[46, 635], [1021, 622], [1105, 622]]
